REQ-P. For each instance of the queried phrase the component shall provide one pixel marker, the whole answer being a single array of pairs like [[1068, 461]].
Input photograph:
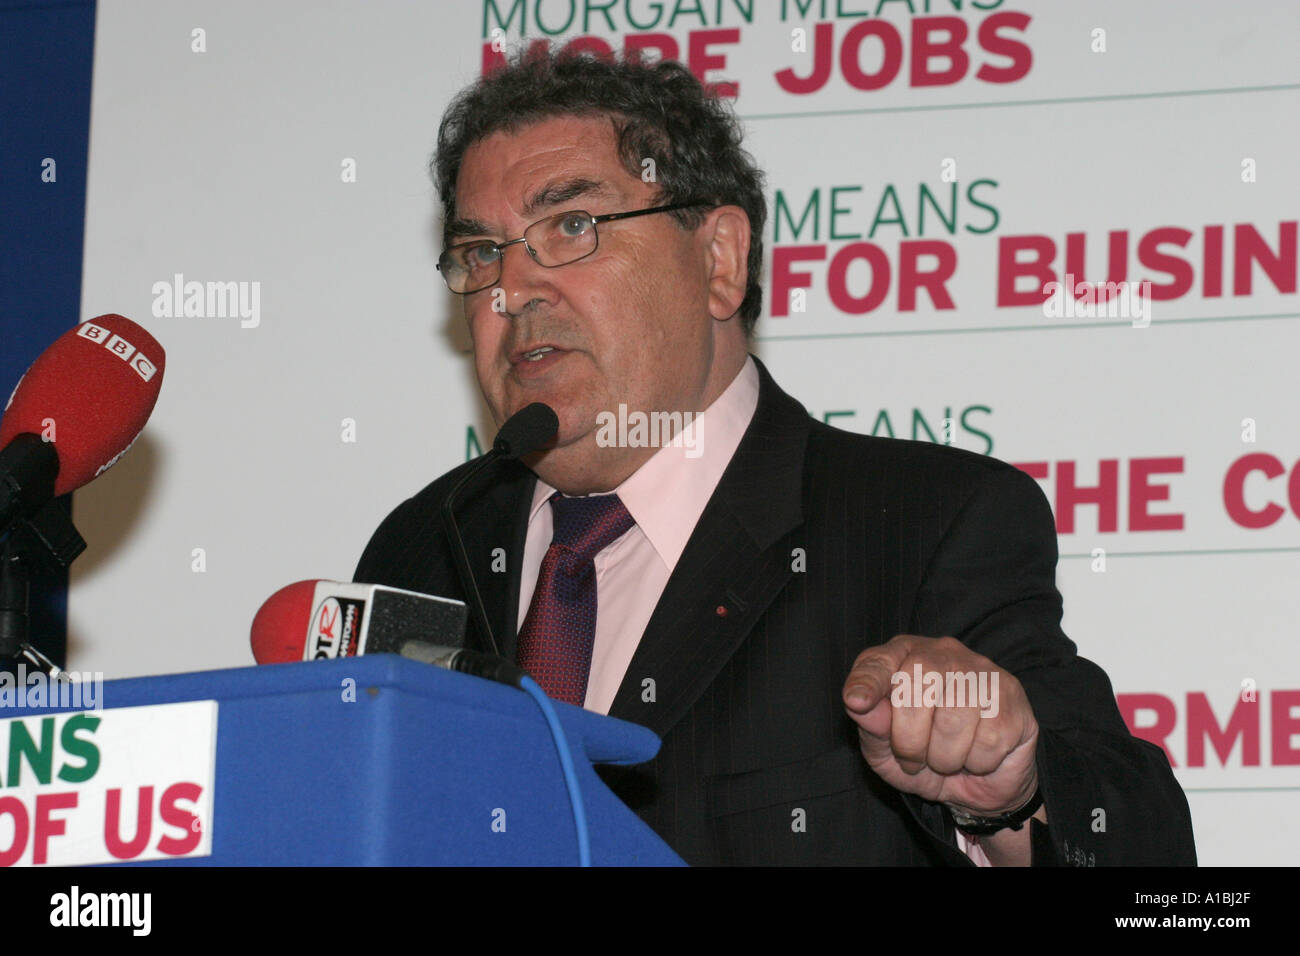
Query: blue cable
[[566, 764]]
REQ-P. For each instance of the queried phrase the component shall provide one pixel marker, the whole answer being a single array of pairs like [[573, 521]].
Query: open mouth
[[536, 361], [537, 353]]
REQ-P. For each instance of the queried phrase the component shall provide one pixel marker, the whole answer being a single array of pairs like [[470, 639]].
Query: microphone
[[526, 430], [76, 411], [523, 433], [317, 620], [322, 620]]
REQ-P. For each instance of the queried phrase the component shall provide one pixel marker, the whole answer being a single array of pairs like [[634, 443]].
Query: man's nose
[[523, 279]]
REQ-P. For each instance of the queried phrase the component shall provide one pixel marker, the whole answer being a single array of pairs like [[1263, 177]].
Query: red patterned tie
[[556, 639]]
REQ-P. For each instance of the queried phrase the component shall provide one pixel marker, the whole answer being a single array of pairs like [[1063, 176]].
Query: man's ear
[[726, 230]]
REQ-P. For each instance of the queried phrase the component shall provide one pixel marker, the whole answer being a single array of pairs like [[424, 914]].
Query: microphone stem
[[13, 602], [461, 559]]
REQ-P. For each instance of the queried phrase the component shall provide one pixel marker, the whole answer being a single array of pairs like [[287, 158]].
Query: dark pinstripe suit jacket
[[759, 762]]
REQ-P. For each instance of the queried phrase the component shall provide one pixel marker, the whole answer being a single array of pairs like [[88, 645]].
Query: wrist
[[975, 824]]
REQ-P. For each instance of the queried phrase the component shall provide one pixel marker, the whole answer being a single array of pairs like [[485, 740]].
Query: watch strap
[[983, 826]]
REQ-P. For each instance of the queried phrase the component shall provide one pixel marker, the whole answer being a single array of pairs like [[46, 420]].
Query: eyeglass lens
[[554, 241]]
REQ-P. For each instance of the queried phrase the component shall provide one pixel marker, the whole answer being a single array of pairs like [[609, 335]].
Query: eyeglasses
[[554, 241]]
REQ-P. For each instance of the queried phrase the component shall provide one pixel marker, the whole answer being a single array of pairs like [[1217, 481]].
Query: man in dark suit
[[799, 652]]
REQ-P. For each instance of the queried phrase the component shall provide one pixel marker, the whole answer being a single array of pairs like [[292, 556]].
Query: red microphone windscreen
[[280, 626], [90, 393]]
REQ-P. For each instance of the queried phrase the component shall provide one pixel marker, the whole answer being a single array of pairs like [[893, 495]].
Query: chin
[[576, 422], [571, 402], [565, 461], [555, 468]]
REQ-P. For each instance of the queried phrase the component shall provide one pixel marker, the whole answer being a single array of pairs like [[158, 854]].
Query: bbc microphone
[[75, 412]]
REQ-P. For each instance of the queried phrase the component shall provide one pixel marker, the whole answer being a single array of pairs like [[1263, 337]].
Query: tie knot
[[586, 526]]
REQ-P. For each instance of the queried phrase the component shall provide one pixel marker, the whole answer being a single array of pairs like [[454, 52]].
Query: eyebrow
[[552, 194]]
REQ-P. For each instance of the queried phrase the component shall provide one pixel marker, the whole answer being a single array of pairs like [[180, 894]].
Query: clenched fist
[[965, 737]]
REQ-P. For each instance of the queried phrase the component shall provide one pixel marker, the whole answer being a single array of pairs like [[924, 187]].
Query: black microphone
[[524, 432]]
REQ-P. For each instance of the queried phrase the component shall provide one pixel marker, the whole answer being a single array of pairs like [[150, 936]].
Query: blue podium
[[383, 761]]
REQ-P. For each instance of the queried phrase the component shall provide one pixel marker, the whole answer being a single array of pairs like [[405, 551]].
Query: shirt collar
[[684, 472]]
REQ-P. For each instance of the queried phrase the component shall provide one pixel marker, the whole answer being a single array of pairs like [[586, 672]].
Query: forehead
[[521, 172]]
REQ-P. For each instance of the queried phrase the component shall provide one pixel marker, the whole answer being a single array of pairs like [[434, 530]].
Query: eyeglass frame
[[595, 221]]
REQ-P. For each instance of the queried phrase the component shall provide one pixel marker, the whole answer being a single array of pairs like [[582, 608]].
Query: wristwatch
[[983, 826]]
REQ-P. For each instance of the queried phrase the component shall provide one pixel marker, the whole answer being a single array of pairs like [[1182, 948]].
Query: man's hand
[[979, 764]]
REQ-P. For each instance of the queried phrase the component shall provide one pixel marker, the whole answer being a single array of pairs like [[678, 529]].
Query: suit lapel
[[738, 558], [736, 562]]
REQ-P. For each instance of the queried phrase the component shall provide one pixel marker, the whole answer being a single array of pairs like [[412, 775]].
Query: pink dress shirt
[[631, 573]]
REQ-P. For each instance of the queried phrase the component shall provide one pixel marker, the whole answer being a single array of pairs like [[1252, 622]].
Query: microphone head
[[325, 620], [91, 391], [526, 431], [279, 633]]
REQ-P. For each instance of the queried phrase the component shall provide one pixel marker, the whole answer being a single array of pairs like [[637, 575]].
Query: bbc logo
[[119, 347]]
